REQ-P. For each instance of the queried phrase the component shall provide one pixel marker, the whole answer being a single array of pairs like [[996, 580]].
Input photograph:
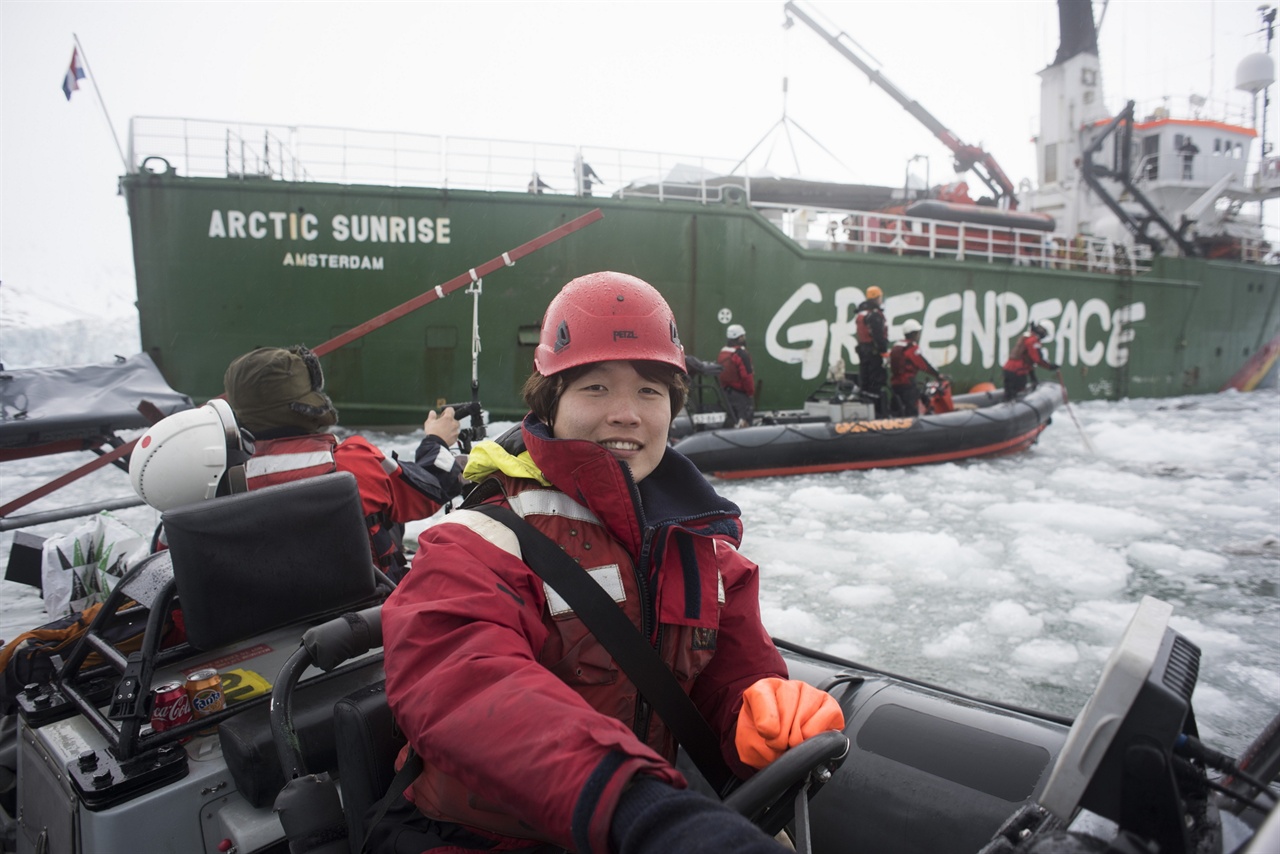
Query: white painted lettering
[[277, 219], [1093, 355], [426, 232], [979, 329], [235, 224], [360, 228], [216, 228], [844, 330], [813, 333], [257, 225], [397, 229], [340, 231], [377, 229], [935, 334], [984, 332], [442, 229], [309, 223]]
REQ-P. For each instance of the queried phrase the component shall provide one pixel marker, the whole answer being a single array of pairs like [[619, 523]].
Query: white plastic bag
[[82, 567]]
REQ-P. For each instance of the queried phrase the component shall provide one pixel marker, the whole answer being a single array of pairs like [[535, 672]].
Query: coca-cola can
[[170, 707], [204, 687]]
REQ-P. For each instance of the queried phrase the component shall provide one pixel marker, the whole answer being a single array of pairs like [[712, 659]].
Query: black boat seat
[[256, 561], [250, 751], [368, 741]]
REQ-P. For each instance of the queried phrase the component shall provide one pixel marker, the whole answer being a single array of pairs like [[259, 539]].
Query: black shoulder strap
[[408, 772], [616, 633]]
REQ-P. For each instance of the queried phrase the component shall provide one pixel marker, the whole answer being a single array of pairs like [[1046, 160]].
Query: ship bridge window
[[1050, 162], [1217, 147], [1150, 150]]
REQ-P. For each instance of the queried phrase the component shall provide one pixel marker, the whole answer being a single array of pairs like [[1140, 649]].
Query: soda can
[[170, 707], [204, 687]]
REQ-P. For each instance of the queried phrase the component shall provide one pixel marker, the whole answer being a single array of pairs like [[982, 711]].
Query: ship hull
[[226, 265]]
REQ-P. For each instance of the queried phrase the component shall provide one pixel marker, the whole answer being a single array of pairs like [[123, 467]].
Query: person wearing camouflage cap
[[277, 394]]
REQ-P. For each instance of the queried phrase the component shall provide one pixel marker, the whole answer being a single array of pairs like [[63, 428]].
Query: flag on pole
[[74, 74]]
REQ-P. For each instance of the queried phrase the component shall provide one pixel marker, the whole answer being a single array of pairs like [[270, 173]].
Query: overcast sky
[[687, 77]]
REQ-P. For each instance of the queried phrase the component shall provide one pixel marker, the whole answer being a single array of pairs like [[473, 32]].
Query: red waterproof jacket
[[391, 492], [905, 361], [525, 724], [736, 371], [1026, 355]]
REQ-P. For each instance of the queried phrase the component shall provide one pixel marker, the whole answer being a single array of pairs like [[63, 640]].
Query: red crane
[[966, 156]]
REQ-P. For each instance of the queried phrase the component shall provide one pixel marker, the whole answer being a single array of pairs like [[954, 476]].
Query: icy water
[[1009, 578]]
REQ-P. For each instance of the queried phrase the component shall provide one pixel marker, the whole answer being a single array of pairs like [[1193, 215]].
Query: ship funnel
[[1255, 72]]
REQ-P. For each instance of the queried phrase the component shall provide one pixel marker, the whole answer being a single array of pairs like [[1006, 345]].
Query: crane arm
[[966, 156]]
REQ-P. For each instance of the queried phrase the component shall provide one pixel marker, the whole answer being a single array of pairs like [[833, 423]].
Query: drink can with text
[[204, 687], [170, 707]]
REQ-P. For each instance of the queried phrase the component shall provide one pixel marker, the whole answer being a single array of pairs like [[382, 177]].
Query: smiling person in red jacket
[[532, 738]]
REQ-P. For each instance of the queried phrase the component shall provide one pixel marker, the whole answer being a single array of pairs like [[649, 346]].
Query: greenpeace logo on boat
[[880, 425], [968, 328], [362, 228]]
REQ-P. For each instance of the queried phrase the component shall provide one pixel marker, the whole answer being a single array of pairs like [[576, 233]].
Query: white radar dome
[[1255, 72]]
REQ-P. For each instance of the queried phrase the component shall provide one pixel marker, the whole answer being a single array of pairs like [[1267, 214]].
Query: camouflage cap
[[272, 387]]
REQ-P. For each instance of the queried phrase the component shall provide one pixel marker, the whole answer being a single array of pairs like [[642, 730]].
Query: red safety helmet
[[603, 317]]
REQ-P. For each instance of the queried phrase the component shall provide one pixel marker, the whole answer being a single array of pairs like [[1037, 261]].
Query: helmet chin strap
[[239, 450]]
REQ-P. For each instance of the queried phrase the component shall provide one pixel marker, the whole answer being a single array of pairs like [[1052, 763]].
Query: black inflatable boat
[[983, 424]]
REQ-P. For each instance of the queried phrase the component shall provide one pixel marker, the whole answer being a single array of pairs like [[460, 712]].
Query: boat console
[[1131, 775]]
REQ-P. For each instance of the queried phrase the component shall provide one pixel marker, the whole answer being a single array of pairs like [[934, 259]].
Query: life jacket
[[1026, 355], [869, 327], [291, 458], [863, 327], [905, 361]]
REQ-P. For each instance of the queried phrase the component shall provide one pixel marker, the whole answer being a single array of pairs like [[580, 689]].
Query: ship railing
[[206, 148], [897, 234], [1194, 108]]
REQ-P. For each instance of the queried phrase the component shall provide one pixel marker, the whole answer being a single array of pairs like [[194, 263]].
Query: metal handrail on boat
[[249, 151]]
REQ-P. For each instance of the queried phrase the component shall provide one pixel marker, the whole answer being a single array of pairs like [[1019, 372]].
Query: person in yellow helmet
[[873, 345]]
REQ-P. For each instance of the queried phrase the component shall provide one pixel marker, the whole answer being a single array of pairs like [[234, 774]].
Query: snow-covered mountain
[[38, 330]]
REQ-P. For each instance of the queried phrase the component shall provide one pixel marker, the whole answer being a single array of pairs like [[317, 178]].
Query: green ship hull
[[228, 264]]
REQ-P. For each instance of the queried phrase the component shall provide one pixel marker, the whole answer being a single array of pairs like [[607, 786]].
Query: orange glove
[[780, 713]]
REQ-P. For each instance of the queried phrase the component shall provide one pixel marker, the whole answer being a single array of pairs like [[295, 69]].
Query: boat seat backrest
[[256, 561], [368, 741]]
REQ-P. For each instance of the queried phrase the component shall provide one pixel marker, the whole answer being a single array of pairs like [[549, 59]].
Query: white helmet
[[911, 326], [735, 331], [182, 459]]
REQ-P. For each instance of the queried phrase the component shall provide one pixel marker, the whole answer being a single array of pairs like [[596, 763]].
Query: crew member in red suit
[[1020, 369], [531, 736], [737, 378], [905, 361], [278, 395], [873, 345]]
